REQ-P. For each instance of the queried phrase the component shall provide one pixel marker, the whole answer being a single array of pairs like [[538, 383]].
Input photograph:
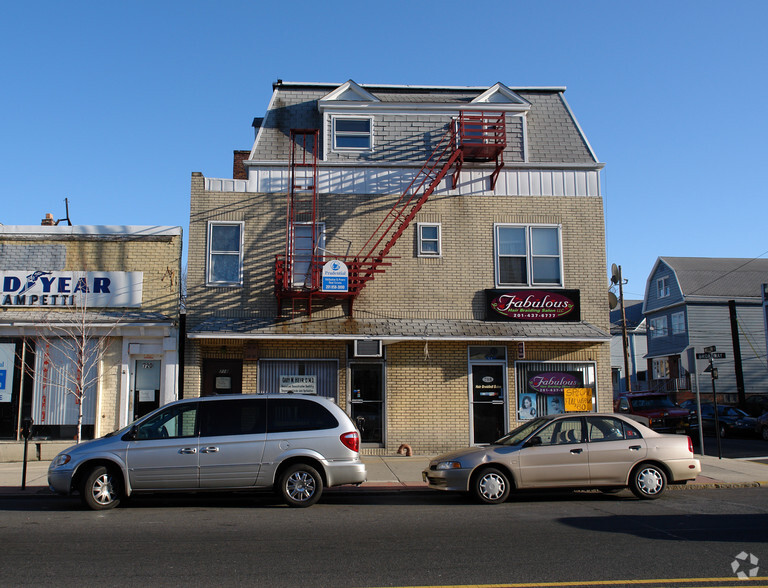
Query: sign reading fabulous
[[533, 305], [95, 289]]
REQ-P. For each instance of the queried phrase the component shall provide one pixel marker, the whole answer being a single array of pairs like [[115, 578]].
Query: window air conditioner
[[368, 348]]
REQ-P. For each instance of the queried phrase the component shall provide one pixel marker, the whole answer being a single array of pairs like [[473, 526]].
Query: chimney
[[48, 220], [238, 169]]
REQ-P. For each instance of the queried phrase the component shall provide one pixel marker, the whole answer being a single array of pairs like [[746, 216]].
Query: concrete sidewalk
[[399, 473]]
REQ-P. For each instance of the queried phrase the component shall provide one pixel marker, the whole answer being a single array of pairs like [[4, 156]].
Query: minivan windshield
[[518, 435]]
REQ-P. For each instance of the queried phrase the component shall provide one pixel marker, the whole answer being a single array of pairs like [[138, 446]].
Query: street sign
[[710, 355], [710, 349]]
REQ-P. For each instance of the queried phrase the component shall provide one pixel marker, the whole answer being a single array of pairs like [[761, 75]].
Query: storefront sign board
[[298, 384], [62, 289], [533, 305]]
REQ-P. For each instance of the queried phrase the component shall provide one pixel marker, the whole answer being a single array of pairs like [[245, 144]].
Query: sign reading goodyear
[[58, 288]]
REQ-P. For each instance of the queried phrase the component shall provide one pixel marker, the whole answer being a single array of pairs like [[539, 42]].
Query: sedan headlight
[[448, 465], [60, 460]]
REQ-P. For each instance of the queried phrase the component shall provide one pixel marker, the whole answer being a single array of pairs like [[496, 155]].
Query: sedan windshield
[[517, 436]]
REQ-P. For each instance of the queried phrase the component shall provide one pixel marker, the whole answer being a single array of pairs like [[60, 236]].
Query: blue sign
[[335, 276]]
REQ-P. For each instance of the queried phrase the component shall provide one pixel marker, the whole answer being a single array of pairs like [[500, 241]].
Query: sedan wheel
[[765, 433], [648, 481], [491, 486], [301, 485], [100, 489]]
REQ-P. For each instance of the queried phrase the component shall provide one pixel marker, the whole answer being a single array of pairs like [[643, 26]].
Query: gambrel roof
[[552, 133]]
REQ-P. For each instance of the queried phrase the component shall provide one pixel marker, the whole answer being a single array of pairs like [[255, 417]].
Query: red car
[[663, 415]]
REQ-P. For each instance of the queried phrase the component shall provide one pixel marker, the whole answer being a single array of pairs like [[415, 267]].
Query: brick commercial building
[[89, 319], [431, 258]]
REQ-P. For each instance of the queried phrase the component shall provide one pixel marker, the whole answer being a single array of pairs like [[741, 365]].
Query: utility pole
[[617, 279]]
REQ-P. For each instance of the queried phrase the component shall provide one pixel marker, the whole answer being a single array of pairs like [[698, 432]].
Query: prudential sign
[[61, 289]]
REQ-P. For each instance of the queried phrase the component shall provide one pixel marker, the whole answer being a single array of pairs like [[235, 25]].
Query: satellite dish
[[614, 273], [613, 302]]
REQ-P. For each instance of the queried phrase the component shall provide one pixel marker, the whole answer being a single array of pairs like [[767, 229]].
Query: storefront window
[[542, 388]]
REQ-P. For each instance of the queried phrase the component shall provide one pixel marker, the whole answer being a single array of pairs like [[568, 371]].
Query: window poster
[[7, 356]]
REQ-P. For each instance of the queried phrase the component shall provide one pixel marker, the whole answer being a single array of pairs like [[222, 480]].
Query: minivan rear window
[[296, 414], [233, 417]]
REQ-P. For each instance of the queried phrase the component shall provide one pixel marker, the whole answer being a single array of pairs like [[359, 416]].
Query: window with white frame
[[225, 253], [429, 237], [352, 134], [662, 285], [678, 323], [659, 327], [528, 255]]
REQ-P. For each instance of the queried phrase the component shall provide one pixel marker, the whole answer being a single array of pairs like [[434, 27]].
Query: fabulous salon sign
[[533, 305], [61, 289]]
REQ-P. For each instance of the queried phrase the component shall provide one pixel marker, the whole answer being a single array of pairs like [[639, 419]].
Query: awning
[[388, 329]]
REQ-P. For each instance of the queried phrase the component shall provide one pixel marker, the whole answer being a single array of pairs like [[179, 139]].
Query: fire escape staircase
[[474, 137]]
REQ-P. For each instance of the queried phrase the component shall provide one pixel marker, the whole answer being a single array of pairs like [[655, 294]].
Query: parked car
[[663, 415], [294, 444], [571, 450], [761, 426], [756, 404], [733, 421]]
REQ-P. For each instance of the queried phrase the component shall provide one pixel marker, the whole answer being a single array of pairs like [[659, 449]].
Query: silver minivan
[[295, 444]]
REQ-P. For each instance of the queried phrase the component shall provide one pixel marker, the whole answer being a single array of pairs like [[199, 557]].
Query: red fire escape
[[473, 137]]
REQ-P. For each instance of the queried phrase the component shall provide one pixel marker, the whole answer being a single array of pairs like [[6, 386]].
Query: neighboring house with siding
[[637, 347], [686, 309], [465, 236]]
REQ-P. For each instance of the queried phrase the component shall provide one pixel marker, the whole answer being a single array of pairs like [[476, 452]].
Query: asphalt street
[[385, 539]]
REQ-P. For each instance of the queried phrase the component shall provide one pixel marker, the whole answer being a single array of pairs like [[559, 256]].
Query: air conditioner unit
[[368, 348]]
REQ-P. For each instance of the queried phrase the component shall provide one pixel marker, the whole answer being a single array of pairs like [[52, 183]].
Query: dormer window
[[352, 134]]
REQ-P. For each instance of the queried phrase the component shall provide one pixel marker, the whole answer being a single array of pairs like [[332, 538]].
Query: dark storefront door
[[368, 400], [488, 394], [146, 387], [222, 376], [9, 385]]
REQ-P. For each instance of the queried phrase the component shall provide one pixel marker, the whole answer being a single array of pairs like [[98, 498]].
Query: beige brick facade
[[142, 337], [426, 388]]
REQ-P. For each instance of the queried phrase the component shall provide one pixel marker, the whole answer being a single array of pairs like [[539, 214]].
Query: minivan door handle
[[210, 449], [187, 450], [634, 448]]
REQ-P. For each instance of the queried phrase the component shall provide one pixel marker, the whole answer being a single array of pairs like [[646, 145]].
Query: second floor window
[[429, 239], [528, 255], [353, 134], [659, 327], [225, 254], [678, 323]]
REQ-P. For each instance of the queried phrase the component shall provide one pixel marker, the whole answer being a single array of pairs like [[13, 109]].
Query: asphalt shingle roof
[[719, 277]]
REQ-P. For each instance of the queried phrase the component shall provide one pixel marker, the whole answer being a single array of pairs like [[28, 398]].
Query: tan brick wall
[[109, 384]]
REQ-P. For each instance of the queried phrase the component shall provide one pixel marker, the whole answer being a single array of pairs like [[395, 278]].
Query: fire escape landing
[[473, 137]]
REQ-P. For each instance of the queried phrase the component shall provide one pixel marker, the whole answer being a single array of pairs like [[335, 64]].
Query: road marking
[[663, 583]]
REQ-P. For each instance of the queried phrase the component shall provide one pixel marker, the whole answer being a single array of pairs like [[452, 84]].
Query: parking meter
[[26, 427], [26, 431]]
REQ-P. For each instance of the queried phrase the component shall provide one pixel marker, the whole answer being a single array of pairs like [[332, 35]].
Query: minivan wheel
[[100, 489], [491, 486], [648, 481], [301, 485]]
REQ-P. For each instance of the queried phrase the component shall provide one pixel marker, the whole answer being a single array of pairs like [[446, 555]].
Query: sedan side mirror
[[533, 441]]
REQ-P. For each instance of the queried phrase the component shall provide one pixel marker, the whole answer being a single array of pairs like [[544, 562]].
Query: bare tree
[[73, 343]]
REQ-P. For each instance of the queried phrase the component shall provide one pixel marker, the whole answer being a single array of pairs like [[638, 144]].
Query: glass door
[[368, 400], [146, 387], [487, 401]]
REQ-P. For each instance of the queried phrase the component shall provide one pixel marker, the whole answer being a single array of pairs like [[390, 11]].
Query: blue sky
[[114, 104]]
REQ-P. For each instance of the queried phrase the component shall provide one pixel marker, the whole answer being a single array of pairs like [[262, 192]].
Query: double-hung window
[[528, 255], [662, 287], [678, 323], [429, 239], [352, 134], [659, 327], [225, 253]]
